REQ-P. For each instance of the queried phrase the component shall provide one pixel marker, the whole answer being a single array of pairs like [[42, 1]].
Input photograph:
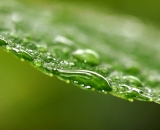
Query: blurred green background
[[30, 100]]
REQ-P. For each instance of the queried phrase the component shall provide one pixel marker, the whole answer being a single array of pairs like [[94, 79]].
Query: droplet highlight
[[86, 79], [87, 56], [132, 81], [63, 40]]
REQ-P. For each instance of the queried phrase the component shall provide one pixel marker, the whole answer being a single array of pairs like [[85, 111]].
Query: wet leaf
[[109, 53]]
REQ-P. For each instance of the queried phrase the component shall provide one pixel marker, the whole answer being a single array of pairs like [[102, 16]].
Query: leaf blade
[[107, 55]]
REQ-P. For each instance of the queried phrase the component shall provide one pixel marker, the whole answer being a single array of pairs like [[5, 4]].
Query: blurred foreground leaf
[[95, 51]]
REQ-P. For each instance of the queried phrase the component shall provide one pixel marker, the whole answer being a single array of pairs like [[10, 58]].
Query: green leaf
[[105, 52]]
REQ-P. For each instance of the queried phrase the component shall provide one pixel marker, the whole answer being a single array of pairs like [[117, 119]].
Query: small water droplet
[[31, 46], [60, 50], [133, 81], [130, 99], [25, 40], [63, 40], [50, 74], [8, 48], [15, 51], [25, 55], [76, 82], [87, 87], [16, 17], [103, 91], [38, 62], [42, 48], [104, 68], [87, 56], [89, 79], [125, 87]]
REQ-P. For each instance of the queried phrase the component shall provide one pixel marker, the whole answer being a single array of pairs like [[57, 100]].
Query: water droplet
[[87, 56], [88, 87], [88, 79], [26, 55], [16, 17], [42, 48], [2, 42], [124, 87], [76, 82], [130, 99], [31, 46], [132, 81], [15, 51], [103, 91], [50, 74], [63, 40], [38, 62], [8, 48], [60, 50], [25, 40], [104, 68]]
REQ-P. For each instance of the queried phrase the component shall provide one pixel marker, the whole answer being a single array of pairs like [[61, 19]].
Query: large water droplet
[[133, 81], [23, 55], [87, 56], [86, 79]]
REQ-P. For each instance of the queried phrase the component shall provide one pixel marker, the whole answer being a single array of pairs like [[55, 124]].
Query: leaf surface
[[105, 52]]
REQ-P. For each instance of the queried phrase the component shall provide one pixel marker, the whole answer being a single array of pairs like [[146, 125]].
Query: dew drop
[[76, 82], [124, 87], [103, 91], [50, 74], [88, 87], [89, 79], [63, 40], [18, 53], [38, 62], [133, 81], [15, 51], [25, 40], [42, 48], [87, 56], [16, 17], [104, 68], [25, 55], [130, 99], [8, 48]]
